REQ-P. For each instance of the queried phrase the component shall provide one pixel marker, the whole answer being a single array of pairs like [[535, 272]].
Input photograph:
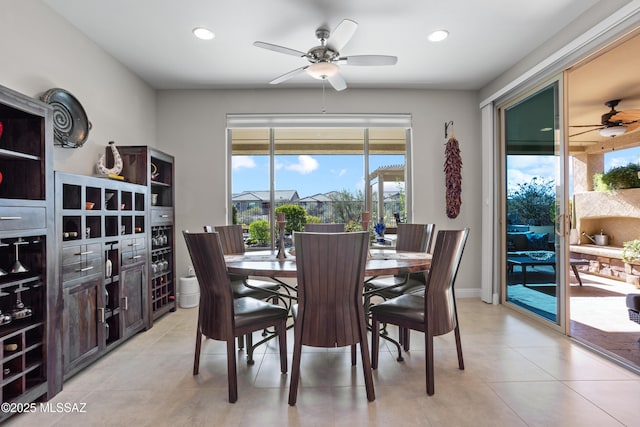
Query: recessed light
[[203, 33], [438, 35]]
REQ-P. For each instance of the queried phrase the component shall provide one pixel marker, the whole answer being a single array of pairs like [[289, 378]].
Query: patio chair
[[223, 317], [433, 313]]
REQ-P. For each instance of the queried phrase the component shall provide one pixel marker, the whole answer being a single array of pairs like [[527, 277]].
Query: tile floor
[[518, 373]]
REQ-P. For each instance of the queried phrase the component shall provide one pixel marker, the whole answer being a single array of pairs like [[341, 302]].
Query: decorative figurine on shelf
[[379, 228], [117, 163]]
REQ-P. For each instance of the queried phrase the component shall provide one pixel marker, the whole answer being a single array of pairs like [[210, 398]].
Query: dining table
[[265, 263], [380, 262]]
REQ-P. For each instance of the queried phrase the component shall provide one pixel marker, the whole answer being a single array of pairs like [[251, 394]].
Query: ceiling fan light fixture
[[203, 33], [322, 70], [438, 35], [613, 131]]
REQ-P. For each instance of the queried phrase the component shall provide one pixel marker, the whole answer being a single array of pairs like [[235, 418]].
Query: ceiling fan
[[324, 59], [614, 123]]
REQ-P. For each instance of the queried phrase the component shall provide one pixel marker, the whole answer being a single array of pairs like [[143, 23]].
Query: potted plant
[[618, 178], [631, 252]]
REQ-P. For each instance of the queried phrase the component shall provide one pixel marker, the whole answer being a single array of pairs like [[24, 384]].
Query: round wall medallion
[[70, 123]]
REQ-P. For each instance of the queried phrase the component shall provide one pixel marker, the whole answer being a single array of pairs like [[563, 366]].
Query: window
[[333, 173]]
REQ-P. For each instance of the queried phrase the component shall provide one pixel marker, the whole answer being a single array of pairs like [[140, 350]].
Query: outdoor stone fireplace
[[616, 214]]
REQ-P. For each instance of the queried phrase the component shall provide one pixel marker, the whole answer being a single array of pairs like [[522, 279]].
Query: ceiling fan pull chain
[[323, 105]]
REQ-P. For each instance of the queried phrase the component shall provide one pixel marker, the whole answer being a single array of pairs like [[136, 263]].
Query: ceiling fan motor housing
[[605, 119]]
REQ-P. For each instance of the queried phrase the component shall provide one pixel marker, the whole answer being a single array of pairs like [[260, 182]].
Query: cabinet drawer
[[134, 244], [79, 253], [133, 257], [161, 215], [81, 269], [22, 218]]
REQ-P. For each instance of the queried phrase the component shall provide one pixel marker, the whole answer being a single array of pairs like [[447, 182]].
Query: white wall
[[39, 51], [191, 126]]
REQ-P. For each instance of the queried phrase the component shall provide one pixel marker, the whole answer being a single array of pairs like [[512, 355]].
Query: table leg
[[575, 272]]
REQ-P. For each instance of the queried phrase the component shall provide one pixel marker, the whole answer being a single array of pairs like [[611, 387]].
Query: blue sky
[[308, 174], [523, 168], [314, 174]]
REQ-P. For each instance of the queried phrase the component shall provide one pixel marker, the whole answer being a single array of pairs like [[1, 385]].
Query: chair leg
[[282, 340], [405, 333], [375, 342], [241, 342], [196, 357], [366, 361], [428, 344], [295, 371], [459, 347], [231, 370], [353, 355], [249, 341]]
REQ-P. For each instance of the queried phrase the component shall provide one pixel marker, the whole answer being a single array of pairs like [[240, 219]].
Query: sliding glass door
[[534, 188]]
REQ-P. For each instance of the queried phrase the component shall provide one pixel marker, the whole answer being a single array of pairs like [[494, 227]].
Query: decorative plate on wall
[[70, 123]]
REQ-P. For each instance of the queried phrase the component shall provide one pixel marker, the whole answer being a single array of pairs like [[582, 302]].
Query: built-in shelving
[[29, 297], [102, 235]]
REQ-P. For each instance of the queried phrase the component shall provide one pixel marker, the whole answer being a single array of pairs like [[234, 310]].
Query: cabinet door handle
[[125, 303], [136, 257], [101, 317], [7, 218], [134, 244], [80, 270], [164, 216], [84, 253]]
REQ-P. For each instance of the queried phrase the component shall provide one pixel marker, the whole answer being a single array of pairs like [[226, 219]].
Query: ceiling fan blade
[[288, 75], [633, 126], [368, 60], [337, 81], [280, 49], [586, 131], [342, 34], [626, 116]]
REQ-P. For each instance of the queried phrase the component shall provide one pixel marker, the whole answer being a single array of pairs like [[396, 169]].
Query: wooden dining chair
[[434, 312], [223, 317], [411, 238], [324, 228], [232, 243], [330, 311]]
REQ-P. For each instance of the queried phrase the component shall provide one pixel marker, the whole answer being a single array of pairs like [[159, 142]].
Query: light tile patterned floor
[[518, 373]]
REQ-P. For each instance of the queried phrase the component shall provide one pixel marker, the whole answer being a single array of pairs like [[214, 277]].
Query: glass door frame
[[561, 190]]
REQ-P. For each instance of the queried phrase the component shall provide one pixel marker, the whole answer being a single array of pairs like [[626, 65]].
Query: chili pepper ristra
[[453, 177]]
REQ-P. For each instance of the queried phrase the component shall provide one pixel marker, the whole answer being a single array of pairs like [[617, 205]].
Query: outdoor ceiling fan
[[614, 123], [325, 58]]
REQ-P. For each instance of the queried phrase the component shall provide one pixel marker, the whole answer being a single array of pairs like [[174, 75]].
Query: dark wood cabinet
[[101, 229], [30, 301], [152, 168], [83, 328]]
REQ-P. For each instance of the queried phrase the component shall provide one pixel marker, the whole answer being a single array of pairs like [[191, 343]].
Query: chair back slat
[[330, 281], [414, 237], [324, 228], [440, 295], [216, 300], [231, 238]]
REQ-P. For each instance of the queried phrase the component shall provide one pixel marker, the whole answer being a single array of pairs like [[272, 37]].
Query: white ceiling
[[153, 38]]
